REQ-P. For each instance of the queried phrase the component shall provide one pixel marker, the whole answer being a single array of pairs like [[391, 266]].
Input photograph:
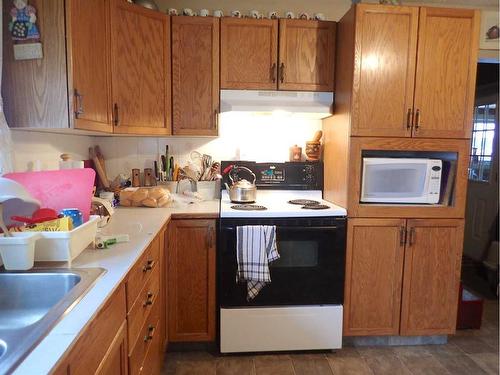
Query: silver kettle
[[242, 191]]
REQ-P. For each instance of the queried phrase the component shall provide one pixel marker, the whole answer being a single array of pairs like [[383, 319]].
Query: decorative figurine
[[23, 23]]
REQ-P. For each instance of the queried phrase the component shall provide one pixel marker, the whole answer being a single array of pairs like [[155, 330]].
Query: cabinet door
[[374, 266], [88, 59], [446, 72], [384, 70], [195, 75], [140, 55], [249, 53], [431, 276], [115, 361], [306, 55], [191, 281]]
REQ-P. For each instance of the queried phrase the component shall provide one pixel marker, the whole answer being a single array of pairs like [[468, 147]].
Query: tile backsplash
[[241, 137]]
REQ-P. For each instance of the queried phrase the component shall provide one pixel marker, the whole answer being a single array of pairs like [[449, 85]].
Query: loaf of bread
[[149, 197]]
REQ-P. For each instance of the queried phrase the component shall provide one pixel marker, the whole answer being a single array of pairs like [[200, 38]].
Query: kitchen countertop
[[142, 224]]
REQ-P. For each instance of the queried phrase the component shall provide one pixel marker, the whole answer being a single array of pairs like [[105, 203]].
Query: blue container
[[75, 215]]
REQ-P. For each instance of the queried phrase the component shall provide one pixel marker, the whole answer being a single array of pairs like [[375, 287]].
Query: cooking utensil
[[242, 191], [317, 136], [98, 167]]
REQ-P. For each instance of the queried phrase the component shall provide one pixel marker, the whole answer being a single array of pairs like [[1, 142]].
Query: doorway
[[481, 216]]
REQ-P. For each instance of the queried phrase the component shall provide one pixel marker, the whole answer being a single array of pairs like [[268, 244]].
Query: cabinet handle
[[408, 119], [150, 334], [149, 299], [417, 119], [412, 236], [402, 236], [116, 119], [148, 266], [216, 119], [274, 72], [78, 104], [282, 72]]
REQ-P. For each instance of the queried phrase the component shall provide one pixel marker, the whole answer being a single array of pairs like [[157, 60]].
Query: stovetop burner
[[303, 202], [248, 207], [315, 207]]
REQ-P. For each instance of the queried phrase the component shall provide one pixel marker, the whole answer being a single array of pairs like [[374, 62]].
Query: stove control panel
[[272, 175], [285, 176]]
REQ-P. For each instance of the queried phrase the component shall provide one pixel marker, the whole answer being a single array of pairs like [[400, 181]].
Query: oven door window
[[310, 269], [297, 254]]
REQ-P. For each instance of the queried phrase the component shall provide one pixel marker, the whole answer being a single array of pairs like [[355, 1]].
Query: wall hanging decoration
[[24, 31], [490, 32]]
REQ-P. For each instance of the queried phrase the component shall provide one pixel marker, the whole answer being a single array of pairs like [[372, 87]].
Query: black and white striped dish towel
[[255, 249]]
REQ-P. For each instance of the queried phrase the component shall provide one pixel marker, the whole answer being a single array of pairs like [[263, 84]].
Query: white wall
[[247, 137], [32, 148]]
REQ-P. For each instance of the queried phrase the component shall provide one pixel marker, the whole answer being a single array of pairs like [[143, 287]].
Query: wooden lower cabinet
[[431, 276], [191, 280], [115, 361], [402, 276], [126, 336], [374, 269]]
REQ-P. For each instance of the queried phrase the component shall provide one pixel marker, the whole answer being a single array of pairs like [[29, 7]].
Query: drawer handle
[[148, 266], [150, 334], [149, 299]]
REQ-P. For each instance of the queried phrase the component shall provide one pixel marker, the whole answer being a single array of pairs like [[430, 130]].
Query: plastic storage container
[[18, 251], [66, 246], [470, 310]]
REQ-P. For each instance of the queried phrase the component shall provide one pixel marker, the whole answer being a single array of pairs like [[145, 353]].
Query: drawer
[[141, 271], [154, 357], [147, 299], [149, 331]]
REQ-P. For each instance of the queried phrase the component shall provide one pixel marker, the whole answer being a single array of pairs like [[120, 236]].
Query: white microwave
[[401, 180]]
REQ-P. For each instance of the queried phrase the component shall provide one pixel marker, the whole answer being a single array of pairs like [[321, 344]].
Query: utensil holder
[[18, 251]]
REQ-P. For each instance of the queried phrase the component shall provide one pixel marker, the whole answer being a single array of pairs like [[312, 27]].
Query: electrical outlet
[[29, 51]]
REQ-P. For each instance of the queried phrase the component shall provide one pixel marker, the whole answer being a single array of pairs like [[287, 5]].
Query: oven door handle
[[278, 228]]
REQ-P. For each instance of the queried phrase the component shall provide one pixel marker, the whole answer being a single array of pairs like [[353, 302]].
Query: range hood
[[316, 105]]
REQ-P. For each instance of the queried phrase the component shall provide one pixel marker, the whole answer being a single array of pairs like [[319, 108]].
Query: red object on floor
[[470, 310]]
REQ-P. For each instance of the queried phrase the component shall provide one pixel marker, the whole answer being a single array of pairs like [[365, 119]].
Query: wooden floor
[[469, 352]]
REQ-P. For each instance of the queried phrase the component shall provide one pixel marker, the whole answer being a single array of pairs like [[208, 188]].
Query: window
[[483, 135]]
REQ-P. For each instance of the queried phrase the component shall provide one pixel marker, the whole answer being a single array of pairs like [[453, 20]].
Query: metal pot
[[242, 191]]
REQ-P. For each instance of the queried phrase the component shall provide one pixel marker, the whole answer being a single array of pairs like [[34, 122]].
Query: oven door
[[310, 270]]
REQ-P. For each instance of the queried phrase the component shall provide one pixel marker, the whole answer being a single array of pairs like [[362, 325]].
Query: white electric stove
[[281, 203], [301, 309]]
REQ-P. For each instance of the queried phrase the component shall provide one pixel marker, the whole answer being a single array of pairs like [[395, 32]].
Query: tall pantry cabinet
[[404, 84]]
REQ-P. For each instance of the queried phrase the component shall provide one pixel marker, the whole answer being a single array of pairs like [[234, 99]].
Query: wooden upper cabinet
[[191, 280], [306, 55], [431, 276], [140, 62], [374, 266], [446, 72], [249, 53], [195, 75], [88, 62], [384, 70]]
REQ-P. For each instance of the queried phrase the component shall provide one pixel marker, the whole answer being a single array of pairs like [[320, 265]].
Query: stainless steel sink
[[32, 302]]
